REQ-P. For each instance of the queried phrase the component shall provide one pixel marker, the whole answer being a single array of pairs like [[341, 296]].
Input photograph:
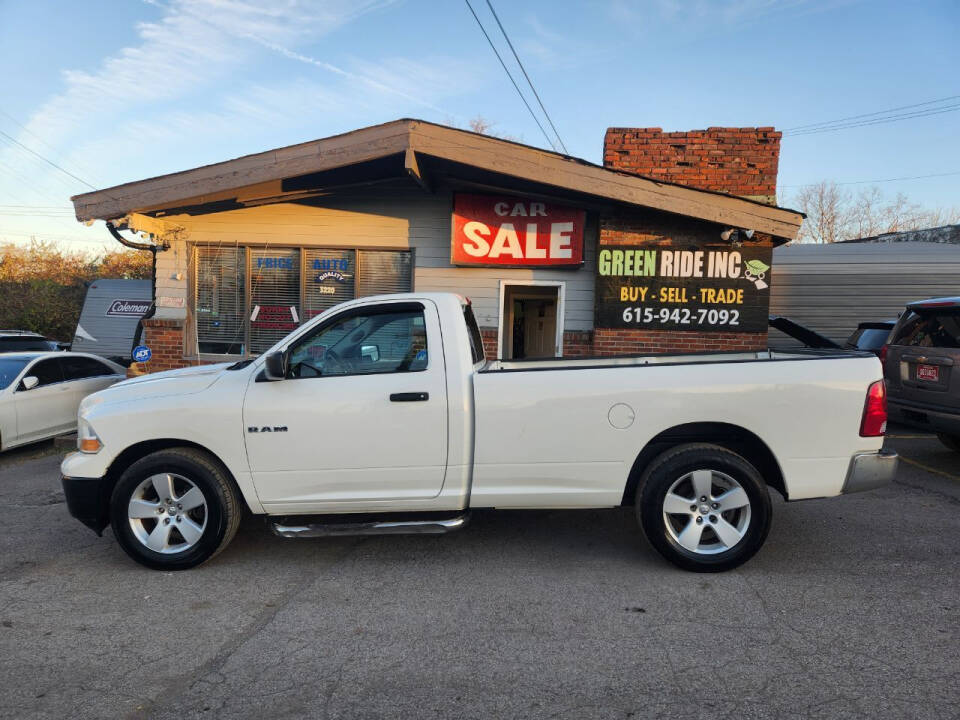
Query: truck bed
[[770, 354]]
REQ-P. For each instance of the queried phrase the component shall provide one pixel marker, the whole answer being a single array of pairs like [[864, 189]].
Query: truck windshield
[[10, 367]]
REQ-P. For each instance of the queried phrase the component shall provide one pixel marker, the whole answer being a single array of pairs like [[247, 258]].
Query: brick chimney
[[738, 161]]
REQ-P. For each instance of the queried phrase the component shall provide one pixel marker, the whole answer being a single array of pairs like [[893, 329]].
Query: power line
[[49, 162], [880, 121], [885, 180], [865, 115], [529, 81], [514, 82], [32, 134]]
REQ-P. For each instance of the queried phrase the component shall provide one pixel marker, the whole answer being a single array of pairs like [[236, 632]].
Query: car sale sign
[[503, 231]]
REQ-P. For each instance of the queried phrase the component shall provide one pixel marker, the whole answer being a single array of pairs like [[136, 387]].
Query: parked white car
[[41, 391], [382, 416]]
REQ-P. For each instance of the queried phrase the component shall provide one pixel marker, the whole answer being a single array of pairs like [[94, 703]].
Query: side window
[[47, 372], [23, 344], [77, 368], [380, 340]]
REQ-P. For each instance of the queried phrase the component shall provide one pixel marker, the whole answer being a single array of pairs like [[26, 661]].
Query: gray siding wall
[[389, 215], [832, 288], [430, 235]]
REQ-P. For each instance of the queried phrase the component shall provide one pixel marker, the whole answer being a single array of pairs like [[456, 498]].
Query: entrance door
[[531, 321]]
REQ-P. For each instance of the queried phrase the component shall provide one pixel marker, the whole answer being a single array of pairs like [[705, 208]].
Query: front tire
[[703, 507], [174, 509]]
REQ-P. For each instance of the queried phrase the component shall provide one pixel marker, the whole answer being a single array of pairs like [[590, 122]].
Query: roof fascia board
[[326, 154], [551, 169], [401, 136]]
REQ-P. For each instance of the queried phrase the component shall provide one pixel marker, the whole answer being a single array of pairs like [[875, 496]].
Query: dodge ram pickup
[[382, 415]]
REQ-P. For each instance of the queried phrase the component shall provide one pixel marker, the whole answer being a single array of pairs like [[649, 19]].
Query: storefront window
[[328, 279], [220, 300], [384, 271], [274, 296], [246, 299]]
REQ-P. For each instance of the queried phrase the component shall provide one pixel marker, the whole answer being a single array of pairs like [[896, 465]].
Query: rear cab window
[[473, 331]]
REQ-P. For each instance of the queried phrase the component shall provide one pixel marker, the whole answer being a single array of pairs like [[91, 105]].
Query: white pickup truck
[[382, 416]]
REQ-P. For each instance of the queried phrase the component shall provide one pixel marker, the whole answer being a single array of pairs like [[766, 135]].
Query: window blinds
[[220, 302], [274, 295], [328, 279], [246, 299], [384, 271]]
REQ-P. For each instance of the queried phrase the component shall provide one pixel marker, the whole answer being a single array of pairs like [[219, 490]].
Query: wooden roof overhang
[[423, 151]]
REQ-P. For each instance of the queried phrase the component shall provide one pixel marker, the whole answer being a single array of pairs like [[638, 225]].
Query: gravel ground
[[850, 610]]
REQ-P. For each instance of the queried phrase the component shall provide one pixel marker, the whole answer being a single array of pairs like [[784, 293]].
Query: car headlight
[[87, 439]]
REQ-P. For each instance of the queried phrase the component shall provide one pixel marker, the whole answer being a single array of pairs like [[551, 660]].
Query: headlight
[[87, 440]]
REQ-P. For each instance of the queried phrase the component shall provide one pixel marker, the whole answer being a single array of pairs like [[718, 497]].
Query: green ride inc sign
[[713, 288]]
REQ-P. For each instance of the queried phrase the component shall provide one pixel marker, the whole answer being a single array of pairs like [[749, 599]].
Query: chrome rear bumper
[[871, 470]]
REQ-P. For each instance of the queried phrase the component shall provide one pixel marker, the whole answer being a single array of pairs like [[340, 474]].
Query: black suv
[[24, 341], [922, 369]]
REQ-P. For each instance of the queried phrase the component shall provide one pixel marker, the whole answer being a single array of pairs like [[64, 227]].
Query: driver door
[[361, 417]]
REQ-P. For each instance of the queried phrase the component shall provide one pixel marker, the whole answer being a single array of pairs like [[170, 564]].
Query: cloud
[[710, 12], [185, 83]]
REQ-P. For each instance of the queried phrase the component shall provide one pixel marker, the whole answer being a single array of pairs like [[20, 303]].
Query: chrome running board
[[437, 526]]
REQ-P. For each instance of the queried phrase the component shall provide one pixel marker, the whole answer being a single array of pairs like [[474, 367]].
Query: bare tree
[[480, 124], [834, 213]]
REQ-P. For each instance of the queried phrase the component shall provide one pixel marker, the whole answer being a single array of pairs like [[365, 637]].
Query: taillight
[[874, 423], [883, 355]]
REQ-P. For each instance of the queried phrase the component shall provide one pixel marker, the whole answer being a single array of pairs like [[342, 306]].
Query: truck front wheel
[[174, 509], [703, 507]]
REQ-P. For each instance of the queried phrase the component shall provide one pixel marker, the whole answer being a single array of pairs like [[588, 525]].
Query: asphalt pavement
[[850, 610]]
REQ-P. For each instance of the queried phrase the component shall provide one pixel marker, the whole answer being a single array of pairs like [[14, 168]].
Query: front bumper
[[88, 500], [869, 471]]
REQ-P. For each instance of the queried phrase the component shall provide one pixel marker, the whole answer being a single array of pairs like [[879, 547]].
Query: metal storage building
[[832, 288]]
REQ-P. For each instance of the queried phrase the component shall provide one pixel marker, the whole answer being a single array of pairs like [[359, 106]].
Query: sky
[[118, 90]]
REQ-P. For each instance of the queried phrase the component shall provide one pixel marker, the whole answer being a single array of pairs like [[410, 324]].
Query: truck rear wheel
[[174, 509], [703, 507]]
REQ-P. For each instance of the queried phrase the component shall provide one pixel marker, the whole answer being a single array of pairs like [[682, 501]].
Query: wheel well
[[733, 437], [139, 450]]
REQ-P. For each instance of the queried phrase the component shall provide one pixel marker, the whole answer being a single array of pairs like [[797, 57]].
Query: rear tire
[[952, 442], [174, 509], [703, 507]]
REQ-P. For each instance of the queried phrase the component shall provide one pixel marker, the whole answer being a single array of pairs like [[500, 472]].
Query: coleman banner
[[515, 232], [714, 288]]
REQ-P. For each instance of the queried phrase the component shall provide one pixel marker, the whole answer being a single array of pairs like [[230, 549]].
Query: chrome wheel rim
[[167, 513], [706, 512]]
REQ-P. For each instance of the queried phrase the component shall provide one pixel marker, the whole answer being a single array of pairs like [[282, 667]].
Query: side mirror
[[275, 367], [30, 382], [370, 353]]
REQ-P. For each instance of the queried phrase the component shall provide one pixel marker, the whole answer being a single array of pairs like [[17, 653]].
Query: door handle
[[409, 397]]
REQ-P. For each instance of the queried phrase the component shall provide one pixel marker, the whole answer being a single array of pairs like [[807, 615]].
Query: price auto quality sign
[[716, 288], [515, 232]]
